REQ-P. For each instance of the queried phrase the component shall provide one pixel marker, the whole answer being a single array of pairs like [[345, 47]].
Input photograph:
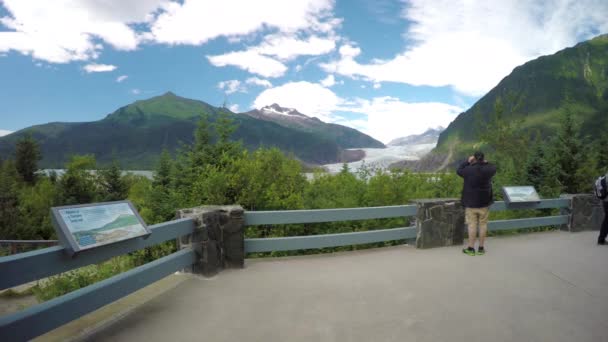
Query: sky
[[387, 68]]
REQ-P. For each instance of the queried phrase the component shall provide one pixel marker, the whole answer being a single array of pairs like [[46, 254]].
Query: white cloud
[[389, 118], [384, 118], [349, 51], [377, 85], [267, 58], [471, 45], [298, 95], [250, 61], [259, 82], [231, 86], [99, 68], [121, 78], [196, 22], [328, 81], [135, 91], [287, 47], [4, 132], [63, 31], [234, 108]]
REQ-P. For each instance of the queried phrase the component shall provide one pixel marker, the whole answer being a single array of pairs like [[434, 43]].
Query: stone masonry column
[[586, 213], [439, 222], [218, 239]]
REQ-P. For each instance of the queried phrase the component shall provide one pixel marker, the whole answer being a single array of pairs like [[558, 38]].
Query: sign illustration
[[91, 225]]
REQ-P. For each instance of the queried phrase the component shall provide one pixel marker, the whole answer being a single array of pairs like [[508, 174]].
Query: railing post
[[439, 222], [218, 239], [586, 213]]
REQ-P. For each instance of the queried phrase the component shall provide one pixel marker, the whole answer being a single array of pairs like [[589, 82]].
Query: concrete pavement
[[549, 286]]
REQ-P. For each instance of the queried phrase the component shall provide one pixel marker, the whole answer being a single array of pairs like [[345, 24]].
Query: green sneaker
[[481, 251], [469, 251]]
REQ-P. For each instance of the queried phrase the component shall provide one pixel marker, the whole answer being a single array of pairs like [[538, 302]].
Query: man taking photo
[[476, 198]]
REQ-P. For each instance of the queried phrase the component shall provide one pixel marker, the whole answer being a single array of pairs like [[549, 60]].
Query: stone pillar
[[586, 213], [439, 222], [218, 239]]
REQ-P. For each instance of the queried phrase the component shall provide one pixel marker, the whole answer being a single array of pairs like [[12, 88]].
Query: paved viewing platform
[[550, 286]]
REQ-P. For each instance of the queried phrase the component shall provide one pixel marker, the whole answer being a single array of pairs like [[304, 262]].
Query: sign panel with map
[[81, 227], [520, 194]]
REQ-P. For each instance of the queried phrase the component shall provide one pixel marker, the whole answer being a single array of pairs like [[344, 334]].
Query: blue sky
[[388, 68]]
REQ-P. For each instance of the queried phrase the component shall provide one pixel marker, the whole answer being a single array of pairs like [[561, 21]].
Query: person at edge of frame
[[601, 239], [477, 197]]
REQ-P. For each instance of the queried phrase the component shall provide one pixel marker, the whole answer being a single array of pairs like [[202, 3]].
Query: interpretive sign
[[86, 226], [520, 194]]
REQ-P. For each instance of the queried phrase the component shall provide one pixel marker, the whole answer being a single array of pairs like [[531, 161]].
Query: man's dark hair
[[479, 156]]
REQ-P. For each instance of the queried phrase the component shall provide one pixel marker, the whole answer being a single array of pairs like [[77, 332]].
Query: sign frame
[[510, 200], [67, 238]]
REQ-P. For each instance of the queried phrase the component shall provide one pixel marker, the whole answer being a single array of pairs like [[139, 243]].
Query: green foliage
[[78, 185], [538, 91], [112, 185], [27, 155], [509, 143], [9, 200], [34, 210], [70, 281]]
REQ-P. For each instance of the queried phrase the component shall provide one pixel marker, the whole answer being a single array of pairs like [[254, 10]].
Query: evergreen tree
[[601, 150], [568, 153], [35, 210], [541, 171], [508, 143], [9, 203], [162, 176], [77, 185], [27, 155], [112, 184]]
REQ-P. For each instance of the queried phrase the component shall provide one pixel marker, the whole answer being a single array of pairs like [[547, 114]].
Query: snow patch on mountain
[[278, 110], [384, 157], [428, 137]]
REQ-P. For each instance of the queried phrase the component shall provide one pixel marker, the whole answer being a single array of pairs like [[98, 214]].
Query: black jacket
[[477, 189]]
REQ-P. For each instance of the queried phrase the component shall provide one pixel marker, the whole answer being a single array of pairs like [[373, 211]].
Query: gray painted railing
[[25, 267], [34, 265], [382, 235]]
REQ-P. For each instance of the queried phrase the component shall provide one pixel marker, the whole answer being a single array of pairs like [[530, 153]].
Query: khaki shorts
[[477, 216]]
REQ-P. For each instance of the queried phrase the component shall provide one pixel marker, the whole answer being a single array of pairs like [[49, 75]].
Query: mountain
[[429, 137], [345, 137], [136, 134], [538, 91]]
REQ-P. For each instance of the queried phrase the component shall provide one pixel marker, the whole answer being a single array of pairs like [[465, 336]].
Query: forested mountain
[[538, 92], [136, 134]]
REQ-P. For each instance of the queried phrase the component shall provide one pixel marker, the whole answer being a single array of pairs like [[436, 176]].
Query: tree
[[9, 202], [77, 185], [508, 141], [112, 184], [162, 176], [35, 210], [542, 170], [27, 155], [568, 153]]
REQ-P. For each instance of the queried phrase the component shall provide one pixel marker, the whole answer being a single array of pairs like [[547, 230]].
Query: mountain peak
[[277, 109]]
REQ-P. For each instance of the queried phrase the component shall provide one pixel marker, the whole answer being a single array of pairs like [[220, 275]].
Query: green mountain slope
[[137, 133], [539, 91]]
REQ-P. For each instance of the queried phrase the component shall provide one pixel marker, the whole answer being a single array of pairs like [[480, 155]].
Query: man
[[601, 240], [476, 198]]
